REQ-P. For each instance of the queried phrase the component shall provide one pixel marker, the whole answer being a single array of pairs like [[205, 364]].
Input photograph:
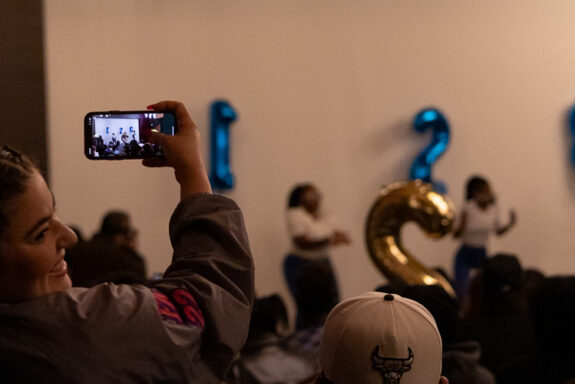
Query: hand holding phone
[[182, 152], [119, 135]]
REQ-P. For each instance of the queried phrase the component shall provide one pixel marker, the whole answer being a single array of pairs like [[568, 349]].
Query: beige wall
[[325, 91]]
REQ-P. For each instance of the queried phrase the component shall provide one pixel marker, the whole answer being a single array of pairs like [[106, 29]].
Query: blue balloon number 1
[[222, 115], [572, 129]]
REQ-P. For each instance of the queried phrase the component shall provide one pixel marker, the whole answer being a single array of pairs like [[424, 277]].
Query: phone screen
[[117, 135]]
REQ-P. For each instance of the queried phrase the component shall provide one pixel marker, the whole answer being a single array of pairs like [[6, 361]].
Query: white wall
[[325, 91]]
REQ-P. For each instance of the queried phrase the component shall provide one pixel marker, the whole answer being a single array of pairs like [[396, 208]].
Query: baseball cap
[[378, 338]]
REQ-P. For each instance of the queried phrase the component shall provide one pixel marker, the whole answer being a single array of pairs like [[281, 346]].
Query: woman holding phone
[[184, 328]]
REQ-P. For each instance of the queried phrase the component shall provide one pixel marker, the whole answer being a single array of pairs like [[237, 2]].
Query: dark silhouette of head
[[115, 222], [269, 316], [474, 185]]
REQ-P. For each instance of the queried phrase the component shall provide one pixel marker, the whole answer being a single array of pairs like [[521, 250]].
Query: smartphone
[[119, 135]]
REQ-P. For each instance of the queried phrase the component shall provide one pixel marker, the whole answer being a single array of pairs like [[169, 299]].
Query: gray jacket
[[116, 333]]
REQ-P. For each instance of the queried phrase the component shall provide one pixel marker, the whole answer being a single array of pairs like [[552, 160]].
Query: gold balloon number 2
[[397, 204]]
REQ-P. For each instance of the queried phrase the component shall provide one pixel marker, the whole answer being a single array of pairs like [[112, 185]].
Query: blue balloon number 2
[[430, 118], [222, 115]]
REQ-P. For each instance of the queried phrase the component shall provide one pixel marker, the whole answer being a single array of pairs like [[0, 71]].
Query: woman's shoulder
[[472, 208], [298, 213], [296, 210], [470, 205]]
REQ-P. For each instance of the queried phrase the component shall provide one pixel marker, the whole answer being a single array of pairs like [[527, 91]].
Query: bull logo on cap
[[391, 369]]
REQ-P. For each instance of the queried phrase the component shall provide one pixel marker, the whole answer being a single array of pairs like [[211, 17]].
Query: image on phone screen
[[125, 135]]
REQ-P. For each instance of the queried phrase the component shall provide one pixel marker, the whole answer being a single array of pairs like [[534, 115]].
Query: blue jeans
[[326, 292], [466, 259]]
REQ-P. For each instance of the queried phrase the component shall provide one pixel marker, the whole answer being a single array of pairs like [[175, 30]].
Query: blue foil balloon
[[222, 115], [430, 118]]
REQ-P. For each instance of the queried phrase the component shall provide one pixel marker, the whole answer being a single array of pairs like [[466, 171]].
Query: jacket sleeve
[[212, 261]]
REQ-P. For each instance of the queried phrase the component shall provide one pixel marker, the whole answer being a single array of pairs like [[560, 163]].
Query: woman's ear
[[443, 380]]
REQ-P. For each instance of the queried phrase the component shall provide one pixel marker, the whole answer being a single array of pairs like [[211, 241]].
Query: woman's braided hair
[[15, 170]]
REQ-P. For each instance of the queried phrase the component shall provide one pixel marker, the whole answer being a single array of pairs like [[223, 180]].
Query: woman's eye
[[41, 235]]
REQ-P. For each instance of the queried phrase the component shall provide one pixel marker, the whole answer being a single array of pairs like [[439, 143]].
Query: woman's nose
[[67, 236]]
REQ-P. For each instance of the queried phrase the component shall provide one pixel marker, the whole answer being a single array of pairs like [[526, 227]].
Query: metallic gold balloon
[[397, 204]]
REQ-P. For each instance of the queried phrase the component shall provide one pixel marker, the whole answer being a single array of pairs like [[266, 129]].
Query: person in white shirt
[[312, 234], [478, 220]]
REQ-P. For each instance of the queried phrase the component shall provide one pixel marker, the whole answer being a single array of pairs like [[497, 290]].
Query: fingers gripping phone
[[118, 135]]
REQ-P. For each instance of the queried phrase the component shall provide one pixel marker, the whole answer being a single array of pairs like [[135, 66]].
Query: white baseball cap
[[378, 338]]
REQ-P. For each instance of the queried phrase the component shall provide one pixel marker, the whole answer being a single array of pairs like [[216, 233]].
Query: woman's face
[[310, 200], [483, 196], [33, 245]]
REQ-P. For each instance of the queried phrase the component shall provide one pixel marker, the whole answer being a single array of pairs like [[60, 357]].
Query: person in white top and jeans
[[312, 235], [479, 218]]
